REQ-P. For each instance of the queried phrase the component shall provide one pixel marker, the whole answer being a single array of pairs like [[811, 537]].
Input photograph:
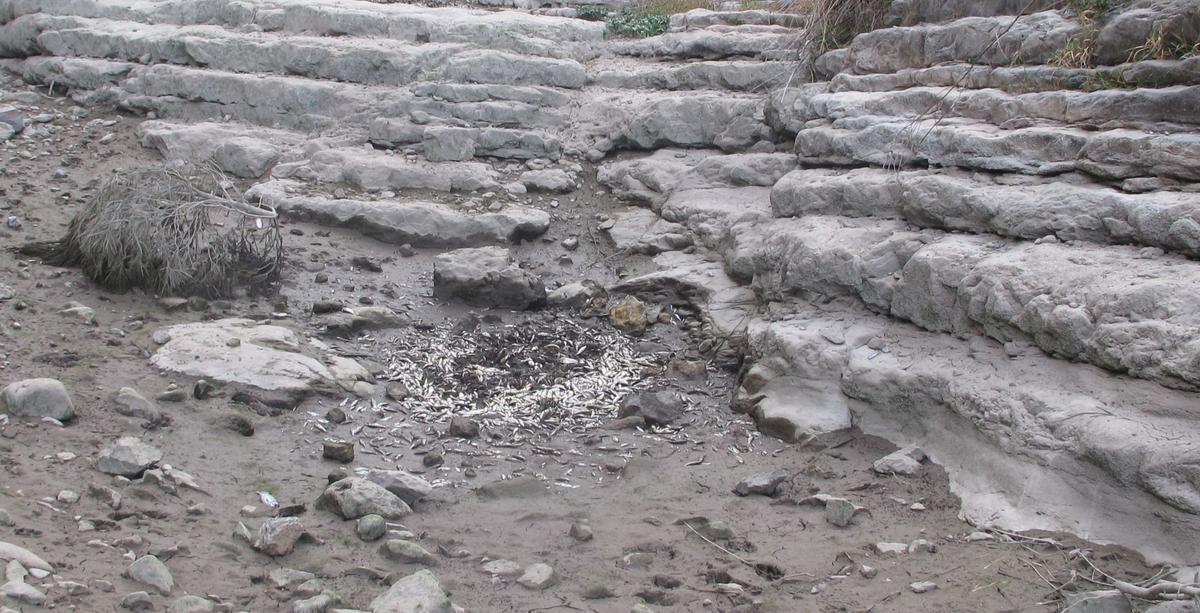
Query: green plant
[[636, 23], [592, 12]]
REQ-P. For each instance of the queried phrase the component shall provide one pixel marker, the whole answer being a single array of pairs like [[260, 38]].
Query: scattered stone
[[537, 576], [575, 295], [433, 458], [128, 457], [409, 487], [335, 416], [462, 427], [352, 498], [920, 587], [891, 549], [977, 536], [137, 601], [396, 391], [149, 570], [551, 181], [868, 572], [713, 529], [287, 578], [72, 309], [366, 263], [920, 545], [317, 604], [581, 531], [419, 592], [501, 568], [132, 403], [401, 550], [840, 512], [16, 588], [37, 398], [371, 527], [763, 484], [657, 408], [192, 604], [629, 315], [173, 393], [906, 461], [338, 451], [278, 536], [236, 423]]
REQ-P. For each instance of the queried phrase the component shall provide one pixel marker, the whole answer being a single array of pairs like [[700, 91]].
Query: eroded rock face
[[486, 276]]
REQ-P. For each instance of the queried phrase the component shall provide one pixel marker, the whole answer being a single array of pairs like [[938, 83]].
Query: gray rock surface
[[409, 487], [486, 276], [419, 592], [352, 498], [420, 224], [150, 571], [37, 398], [129, 456]]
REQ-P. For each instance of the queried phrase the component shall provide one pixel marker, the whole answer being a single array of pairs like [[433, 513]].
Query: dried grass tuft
[[832, 24], [172, 231]]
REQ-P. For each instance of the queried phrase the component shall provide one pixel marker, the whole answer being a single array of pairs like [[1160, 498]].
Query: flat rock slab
[[420, 224], [265, 356]]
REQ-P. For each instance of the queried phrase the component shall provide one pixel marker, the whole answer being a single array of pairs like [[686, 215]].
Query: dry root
[[171, 231]]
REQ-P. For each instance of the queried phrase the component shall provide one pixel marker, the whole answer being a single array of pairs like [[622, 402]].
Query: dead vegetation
[[832, 24], [171, 231]]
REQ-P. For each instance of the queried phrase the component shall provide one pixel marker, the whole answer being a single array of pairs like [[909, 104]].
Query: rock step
[[1118, 308], [1166, 108], [420, 224], [652, 178], [1027, 79], [513, 31], [740, 76], [449, 143], [1018, 207], [703, 18], [994, 41], [911, 12], [1029, 442], [376, 171], [243, 151], [1040, 150], [711, 213], [653, 120], [714, 43], [372, 62], [295, 103]]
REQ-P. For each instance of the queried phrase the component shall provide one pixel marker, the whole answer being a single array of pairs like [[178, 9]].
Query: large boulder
[[409, 487], [352, 498], [128, 457], [419, 592], [486, 276], [37, 398]]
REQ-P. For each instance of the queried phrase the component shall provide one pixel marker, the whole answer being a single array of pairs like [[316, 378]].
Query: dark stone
[[338, 451], [433, 459], [463, 427], [657, 408], [322, 307]]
